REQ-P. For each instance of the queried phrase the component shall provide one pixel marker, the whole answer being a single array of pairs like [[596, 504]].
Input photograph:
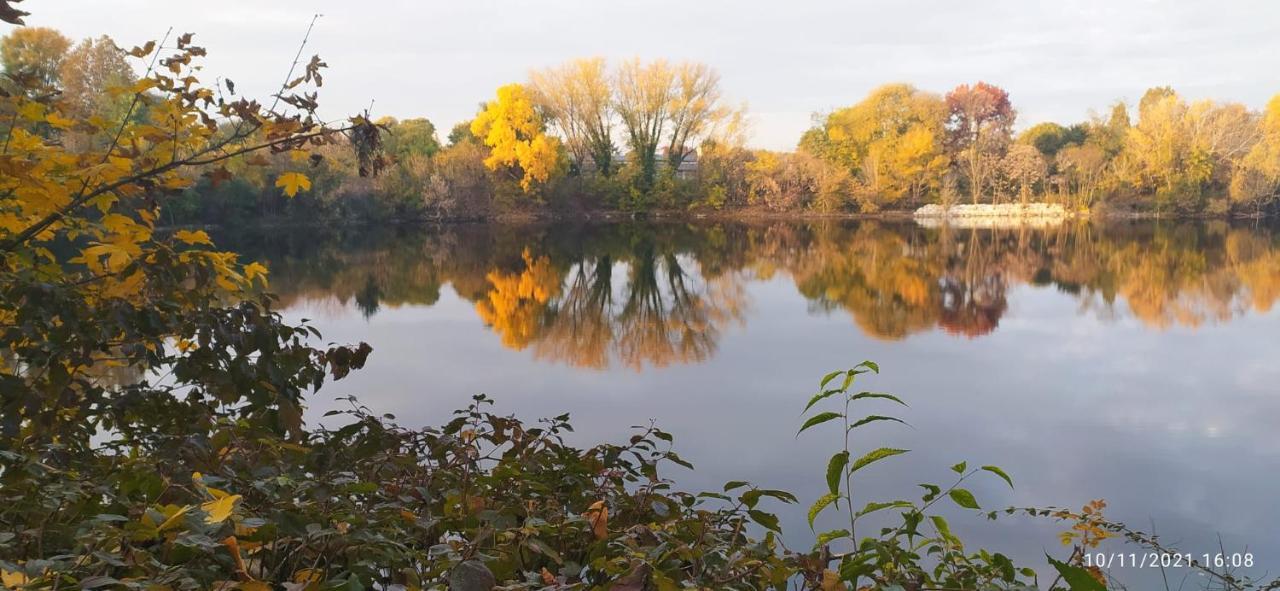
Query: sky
[[784, 60]]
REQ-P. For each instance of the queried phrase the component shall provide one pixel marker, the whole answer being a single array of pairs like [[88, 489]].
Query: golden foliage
[[514, 132]]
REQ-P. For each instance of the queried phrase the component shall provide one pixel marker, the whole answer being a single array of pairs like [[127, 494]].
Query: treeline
[[660, 136]]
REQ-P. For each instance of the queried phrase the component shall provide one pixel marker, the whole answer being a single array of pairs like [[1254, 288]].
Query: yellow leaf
[[598, 515], [193, 237], [174, 519], [58, 121], [255, 586], [292, 182], [31, 111], [254, 270], [219, 510], [12, 580]]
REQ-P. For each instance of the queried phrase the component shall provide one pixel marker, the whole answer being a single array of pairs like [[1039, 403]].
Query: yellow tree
[[515, 134], [892, 140], [34, 53], [1256, 181], [577, 99]]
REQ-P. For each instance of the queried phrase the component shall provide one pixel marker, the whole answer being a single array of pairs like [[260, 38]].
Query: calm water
[[1135, 362]]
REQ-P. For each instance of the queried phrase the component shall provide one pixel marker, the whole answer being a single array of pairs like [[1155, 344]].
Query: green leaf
[[873, 507], [1078, 579], [875, 456], [944, 529], [963, 498], [820, 396], [752, 497], [732, 484], [959, 468], [822, 503], [874, 418], [835, 469], [862, 395], [871, 365], [818, 419], [835, 534], [998, 472], [934, 491], [768, 520], [827, 378]]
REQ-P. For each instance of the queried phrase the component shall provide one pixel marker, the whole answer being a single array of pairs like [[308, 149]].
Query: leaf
[[820, 396], [12, 580], [732, 484], [864, 395], [1078, 579], [818, 419], [822, 503], [254, 270], [998, 472], [219, 510], [871, 365], [874, 418], [875, 456], [768, 520], [835, 534], [58, 121], [944, 529], [190, 237], [827, 378], [873, 507], [835, 469], [960, 468], [963, 498], [292, 182], [174, 519], [598, 515]]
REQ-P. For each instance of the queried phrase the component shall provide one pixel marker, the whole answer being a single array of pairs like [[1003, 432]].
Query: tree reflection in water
[[659, 294]]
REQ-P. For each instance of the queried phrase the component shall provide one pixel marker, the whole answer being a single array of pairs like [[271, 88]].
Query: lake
[[1136, 362]]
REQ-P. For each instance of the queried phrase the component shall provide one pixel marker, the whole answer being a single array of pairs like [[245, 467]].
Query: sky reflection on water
[[1132, 362]]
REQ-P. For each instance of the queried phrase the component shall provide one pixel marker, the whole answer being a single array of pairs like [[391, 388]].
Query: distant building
[[687, 169]]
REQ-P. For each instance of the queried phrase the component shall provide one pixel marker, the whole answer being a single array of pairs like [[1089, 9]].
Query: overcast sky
[[785, 59]]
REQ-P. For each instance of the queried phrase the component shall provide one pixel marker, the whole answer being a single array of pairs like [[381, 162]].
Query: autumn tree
[[659, 103], [643, 100], [1256, 180], [892, 142], [1084, 168], [35, 54], [1023, 167], [577, 99], [515, 134], [1181, 150], [979, 129], [88, 74]]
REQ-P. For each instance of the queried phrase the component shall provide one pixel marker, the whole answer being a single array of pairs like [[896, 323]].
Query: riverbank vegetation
[[152, 433], [590, 137]]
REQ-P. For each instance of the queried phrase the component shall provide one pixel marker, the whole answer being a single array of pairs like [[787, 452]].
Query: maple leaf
[[292, 182]]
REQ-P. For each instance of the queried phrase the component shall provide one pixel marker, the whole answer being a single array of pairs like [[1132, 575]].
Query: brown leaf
[[10, 14], [547, 577]]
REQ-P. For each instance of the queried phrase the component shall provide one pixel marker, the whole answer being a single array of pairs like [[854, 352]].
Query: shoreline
[[737, 215]]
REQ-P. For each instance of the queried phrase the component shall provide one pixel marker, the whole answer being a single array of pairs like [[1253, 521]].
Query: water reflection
[[659, 294]]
